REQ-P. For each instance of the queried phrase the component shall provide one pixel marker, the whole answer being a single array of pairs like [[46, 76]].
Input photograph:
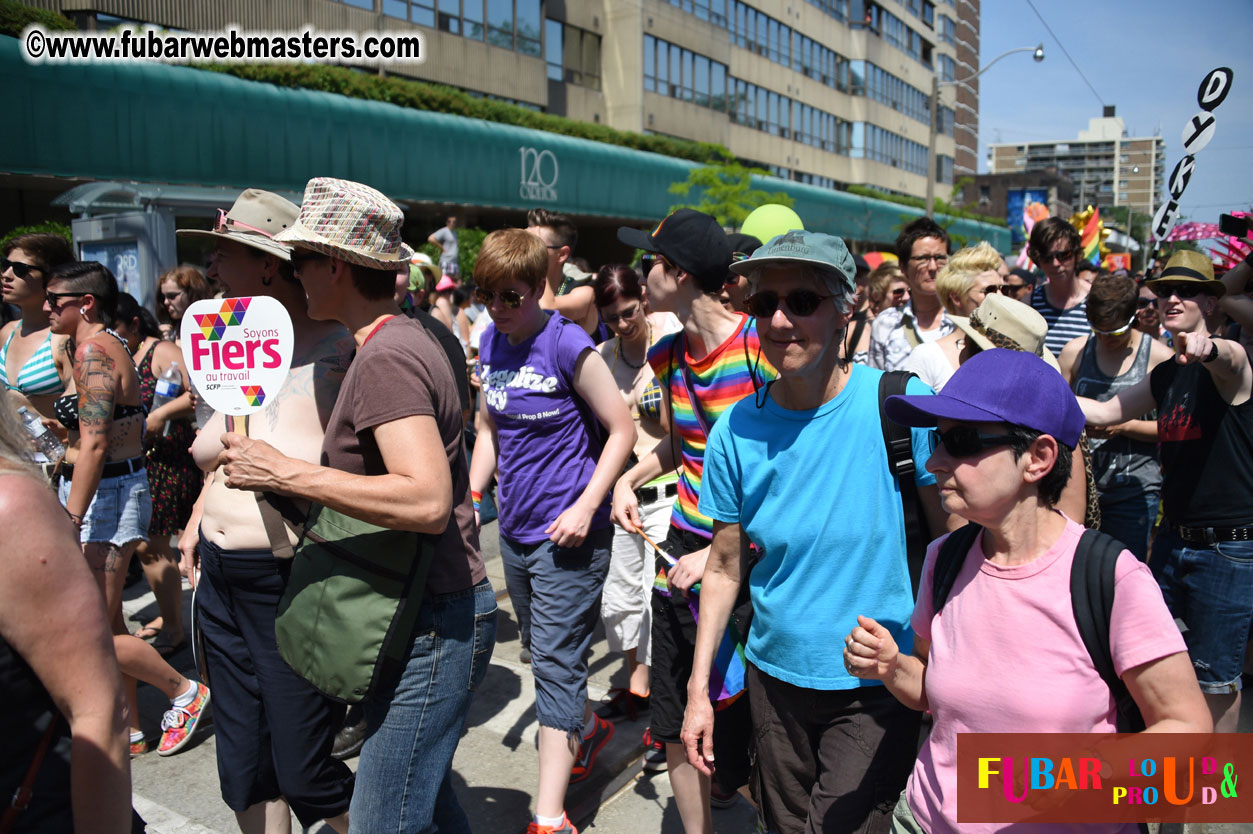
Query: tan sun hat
[[1186, 266], [255, 219], [1001, 322], [350, 221]]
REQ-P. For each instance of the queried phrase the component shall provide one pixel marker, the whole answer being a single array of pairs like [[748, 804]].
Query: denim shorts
[[120, 511], [1210, 588]]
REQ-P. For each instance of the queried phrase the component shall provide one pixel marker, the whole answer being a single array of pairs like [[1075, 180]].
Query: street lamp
[[1037, 53]]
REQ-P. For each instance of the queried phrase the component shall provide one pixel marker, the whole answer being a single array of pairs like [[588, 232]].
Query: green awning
[[156, 123]]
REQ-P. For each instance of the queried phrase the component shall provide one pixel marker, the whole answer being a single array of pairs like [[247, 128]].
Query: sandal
[[147, 632]]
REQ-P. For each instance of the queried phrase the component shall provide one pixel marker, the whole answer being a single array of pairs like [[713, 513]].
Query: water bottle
[[48, 444], [203, 410], [169, 386]]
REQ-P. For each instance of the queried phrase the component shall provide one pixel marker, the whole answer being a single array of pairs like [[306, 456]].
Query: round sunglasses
[[798, 302], [966, 441]]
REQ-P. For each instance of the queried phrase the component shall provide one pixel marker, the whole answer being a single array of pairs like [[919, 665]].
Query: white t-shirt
[[929, 362]]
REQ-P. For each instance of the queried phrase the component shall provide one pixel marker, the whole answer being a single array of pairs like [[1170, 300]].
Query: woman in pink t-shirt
[[1007, 425]]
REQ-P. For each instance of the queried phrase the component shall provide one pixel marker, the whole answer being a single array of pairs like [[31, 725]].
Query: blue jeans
[[1130, 519], [413, 724], [556, 595], [1210, 588]]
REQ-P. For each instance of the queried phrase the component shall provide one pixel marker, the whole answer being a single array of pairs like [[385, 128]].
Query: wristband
[[1213, 352], [477, 498]]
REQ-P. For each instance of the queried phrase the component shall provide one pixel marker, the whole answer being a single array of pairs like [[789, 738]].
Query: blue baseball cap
[[998, 386]]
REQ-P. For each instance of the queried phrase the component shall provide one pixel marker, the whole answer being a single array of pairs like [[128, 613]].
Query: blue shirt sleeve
[[921, 438], [720, 495]]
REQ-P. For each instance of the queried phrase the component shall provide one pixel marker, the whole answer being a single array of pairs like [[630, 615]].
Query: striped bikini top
[[38, 377]]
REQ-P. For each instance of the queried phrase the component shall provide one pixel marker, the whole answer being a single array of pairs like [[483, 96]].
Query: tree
[[724, 189]]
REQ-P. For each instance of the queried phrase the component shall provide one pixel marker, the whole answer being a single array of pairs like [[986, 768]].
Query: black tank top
[[1120, 465], [26, 713], [1206, 449]]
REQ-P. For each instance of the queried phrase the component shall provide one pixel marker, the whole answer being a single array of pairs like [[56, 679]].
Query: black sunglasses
[[798, 302], [899, 292], [614, 318], [298, 258], [510, 298], [966, 441], [1061, 256], [647, 262], [54, 298], [1183, 290], [20, 269], [1144, 302]]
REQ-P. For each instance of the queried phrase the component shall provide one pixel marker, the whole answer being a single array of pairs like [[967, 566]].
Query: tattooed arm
[[96, 380]]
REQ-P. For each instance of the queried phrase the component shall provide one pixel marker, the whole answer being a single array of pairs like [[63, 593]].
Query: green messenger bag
[[350, 610]]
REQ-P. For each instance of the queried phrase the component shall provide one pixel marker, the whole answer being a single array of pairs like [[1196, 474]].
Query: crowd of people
[[759, 444]]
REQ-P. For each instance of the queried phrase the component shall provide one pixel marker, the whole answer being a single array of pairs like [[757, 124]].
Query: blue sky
[[1146, 57]]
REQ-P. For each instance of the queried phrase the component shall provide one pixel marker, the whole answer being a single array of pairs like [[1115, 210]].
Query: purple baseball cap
[[998, 386]]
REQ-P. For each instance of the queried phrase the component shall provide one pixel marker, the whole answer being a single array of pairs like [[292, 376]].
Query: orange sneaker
[[566, 827], [601, 733]]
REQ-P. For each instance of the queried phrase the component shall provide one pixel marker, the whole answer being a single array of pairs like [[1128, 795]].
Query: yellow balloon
[[769, 221]]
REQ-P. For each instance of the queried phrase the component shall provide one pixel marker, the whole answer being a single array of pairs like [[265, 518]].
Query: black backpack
[[899, 445], [1091, 599]]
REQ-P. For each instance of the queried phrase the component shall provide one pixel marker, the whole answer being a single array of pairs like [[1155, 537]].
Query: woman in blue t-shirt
[[546, 394]]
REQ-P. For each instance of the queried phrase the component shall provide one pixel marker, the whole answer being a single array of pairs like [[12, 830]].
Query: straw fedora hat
[[1001, 322], [352, 222], [255, 219], [1191, 267]]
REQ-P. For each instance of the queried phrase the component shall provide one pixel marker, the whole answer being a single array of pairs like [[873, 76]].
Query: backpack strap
[[900, 448], [1092, 600], [949, 561]]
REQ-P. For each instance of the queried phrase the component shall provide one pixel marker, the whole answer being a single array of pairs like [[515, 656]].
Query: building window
[[510, 24], [573, 54], [869, 141], [948, 30], [676, 72], [943, 169], [948, 68]]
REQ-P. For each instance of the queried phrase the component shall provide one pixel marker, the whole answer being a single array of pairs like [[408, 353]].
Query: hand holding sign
[[237, 351], [251, 464]]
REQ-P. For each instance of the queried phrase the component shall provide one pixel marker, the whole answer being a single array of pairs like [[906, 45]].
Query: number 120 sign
[[237, 351]]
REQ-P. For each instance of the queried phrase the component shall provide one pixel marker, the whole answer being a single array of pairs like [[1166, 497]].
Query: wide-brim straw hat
[[255, 220], [351, 222], [1187, 266], [1001, 322]]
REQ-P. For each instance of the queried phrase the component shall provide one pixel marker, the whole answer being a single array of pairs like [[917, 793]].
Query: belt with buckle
[[111, 470], [648, 494], [1211, 535]]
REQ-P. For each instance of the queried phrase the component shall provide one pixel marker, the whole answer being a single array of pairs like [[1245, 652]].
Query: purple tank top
[[546, 450]]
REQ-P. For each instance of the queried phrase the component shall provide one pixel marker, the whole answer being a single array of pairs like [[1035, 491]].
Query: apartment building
[[823, 92], [1107, 167]]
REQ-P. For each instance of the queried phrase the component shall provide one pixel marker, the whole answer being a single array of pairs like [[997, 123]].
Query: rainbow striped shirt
[[721, 379]]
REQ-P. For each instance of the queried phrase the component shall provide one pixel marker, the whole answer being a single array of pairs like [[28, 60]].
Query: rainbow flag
[[1090, 238]]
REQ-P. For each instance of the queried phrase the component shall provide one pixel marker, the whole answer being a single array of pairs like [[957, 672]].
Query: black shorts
[[673, 644], [274, 731]]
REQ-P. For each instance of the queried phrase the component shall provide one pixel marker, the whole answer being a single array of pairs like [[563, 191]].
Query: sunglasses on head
[[614, 318], [1117, 332], [54, 298], [20, 269], [1181, 289], [798, 302], [966, 441], [510, 298]]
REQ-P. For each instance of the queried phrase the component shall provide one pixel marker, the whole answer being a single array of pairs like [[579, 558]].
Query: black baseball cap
[[691, 240]]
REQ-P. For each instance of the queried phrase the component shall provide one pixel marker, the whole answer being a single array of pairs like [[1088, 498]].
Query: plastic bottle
[[203, 410], [48, 444], [169, 386]]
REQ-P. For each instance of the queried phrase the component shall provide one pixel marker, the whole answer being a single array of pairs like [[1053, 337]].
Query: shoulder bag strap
[[1092, 601], [900, 449], [277, 511], [949, 561], [22, 796]]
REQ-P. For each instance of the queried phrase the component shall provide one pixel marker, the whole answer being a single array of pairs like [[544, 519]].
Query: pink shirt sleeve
[[1141, 628]]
